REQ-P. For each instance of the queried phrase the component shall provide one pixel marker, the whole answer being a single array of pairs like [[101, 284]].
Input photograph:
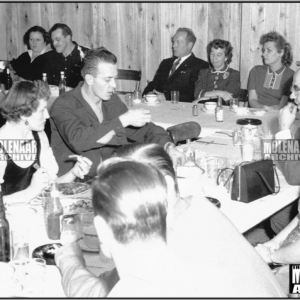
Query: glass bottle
[[4, 233], [219, 110], [8, 80], [45, 79], [62, 83], [53, 211]]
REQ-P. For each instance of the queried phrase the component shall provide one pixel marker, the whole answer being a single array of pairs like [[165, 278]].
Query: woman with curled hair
[[220, 80], [27, 164], [29, 65], [269, 85]]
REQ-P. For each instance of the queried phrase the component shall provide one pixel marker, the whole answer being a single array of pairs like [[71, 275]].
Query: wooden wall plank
[[81, 23], [140, 33]]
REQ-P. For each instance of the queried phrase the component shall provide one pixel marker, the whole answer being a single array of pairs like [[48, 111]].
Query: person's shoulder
[[68, 99], [198, 60], [289, 71], [233, 71]]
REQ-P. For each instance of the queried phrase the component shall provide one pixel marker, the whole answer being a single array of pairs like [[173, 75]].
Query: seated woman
[[269, 85], [27, 164], [29, 65], [220, 80]]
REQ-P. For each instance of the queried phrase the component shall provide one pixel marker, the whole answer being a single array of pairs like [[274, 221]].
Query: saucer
[[207, 111], [153, 103]]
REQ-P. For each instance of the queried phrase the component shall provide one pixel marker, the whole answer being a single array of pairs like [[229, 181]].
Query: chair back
[[184, 131], [243, 97], [129, 75]]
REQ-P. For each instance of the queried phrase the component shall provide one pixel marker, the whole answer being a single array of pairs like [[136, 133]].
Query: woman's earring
[[26, 122]]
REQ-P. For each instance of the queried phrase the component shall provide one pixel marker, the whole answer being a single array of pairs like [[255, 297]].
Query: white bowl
[[151, 98], [210, 105]]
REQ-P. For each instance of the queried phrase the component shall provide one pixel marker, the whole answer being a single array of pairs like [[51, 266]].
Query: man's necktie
[[175, 64]]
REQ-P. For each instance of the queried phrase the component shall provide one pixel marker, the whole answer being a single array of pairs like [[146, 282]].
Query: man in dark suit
[[180, 72]]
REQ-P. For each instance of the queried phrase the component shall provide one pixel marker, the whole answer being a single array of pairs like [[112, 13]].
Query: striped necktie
[[175, 64]]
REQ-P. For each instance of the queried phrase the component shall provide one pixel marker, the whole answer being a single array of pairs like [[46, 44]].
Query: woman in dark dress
[[220, 80], [29, 65], [27, 163]]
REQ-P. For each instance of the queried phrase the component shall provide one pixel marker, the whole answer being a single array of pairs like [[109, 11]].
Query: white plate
[[152, 104], [207, 111]]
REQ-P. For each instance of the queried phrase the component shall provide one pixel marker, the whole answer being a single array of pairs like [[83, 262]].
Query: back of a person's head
[[152, 154], [23, 99], [92, 59], [131, 196], [66, 30]]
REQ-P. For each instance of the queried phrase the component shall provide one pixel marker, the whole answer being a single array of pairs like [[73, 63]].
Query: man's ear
[[190, 45], [104, 234], [89, 79]]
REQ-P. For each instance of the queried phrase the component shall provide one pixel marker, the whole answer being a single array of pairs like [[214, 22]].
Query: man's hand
[[287, 116], [72, 249], [136, 117], [160, 96], [264, 252]]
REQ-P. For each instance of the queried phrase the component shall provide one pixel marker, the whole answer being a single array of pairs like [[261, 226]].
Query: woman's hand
[[264, 252], [82, 166], [39, 181], [225, 95]]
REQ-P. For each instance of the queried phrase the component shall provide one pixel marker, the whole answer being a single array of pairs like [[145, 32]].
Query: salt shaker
[[195, 110]]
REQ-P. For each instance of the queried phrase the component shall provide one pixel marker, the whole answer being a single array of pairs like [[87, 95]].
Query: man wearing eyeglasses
[[284, 248]]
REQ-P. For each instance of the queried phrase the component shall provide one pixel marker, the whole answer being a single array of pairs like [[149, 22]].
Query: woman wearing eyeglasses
[[269, 85]]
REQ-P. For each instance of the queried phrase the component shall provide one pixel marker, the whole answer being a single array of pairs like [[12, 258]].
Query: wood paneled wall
[[140, 33]]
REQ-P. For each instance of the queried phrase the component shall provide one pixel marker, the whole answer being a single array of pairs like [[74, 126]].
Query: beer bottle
[[45, 79], [53, 211], [62, 83], [4, 233], [8, 80], [219, 110]]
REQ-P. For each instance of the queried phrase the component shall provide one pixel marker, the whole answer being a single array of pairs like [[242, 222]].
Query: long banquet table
[[243, 216]]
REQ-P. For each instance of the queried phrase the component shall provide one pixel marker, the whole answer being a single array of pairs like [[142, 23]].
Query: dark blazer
[[182, 80]]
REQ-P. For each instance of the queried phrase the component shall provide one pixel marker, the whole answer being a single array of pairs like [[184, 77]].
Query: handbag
[[253, 180]]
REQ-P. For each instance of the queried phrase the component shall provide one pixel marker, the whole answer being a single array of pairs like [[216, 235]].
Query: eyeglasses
[[294, 89]]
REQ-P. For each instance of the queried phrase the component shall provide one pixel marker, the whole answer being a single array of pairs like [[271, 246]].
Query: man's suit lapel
[[183, 66]]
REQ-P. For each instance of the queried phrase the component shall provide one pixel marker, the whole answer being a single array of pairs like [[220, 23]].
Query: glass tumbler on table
[[20, 244], [174, 97], [71, 229], [36, 276]]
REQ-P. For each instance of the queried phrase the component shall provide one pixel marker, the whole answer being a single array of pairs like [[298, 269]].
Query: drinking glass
[[174, 97], [36, 276], [71, 229], [237, 138], [257, 147], [247, 150], [20, 244], [212, 167], [232, 102], [128, 99], [18, 281]]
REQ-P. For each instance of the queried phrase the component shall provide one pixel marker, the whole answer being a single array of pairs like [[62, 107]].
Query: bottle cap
[[44, 74], [62, 73]]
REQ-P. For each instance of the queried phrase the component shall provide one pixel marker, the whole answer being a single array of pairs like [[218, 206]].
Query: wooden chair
[[243, 97], [129, 75], [184, 131]]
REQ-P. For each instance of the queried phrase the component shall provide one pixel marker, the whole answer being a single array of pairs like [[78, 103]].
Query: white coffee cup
[[210, 105], [151, 98]]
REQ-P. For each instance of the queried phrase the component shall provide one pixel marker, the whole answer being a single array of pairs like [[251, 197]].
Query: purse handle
[[274, 192]]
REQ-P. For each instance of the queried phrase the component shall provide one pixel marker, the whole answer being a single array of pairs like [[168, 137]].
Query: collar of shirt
[[182, 59], [278, 71], [30, 52], [213, 70]]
